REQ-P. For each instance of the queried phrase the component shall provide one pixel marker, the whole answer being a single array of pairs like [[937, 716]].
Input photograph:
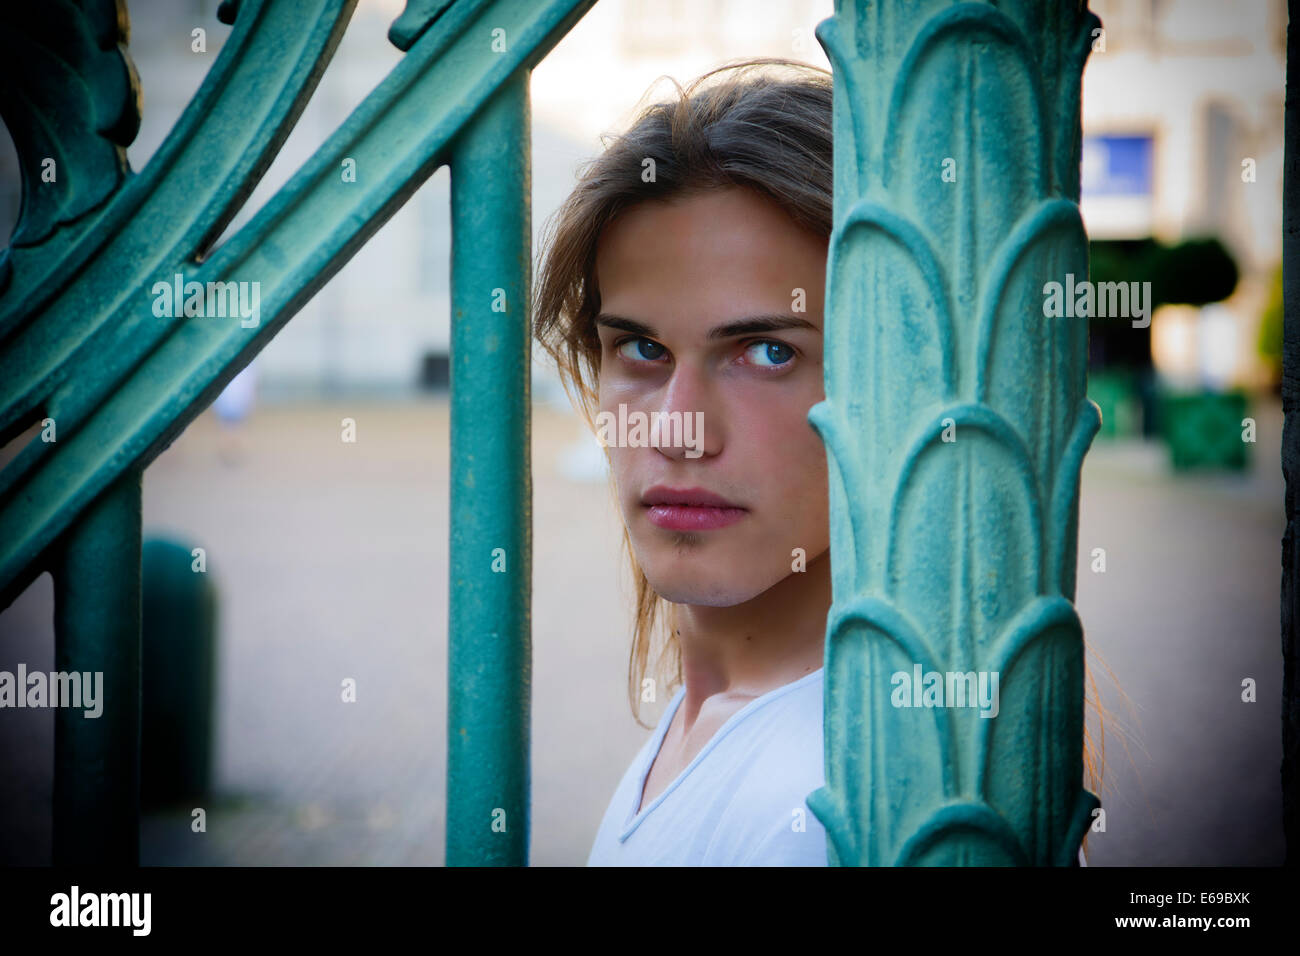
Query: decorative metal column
[[956, 423]]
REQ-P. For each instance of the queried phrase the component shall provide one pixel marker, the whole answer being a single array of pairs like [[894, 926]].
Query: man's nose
[[690, 427]]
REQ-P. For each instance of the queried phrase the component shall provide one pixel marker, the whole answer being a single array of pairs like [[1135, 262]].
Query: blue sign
[[1116, 166]]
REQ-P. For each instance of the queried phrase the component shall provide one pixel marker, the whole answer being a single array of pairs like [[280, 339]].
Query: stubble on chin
[[672, 548], [687, 540]]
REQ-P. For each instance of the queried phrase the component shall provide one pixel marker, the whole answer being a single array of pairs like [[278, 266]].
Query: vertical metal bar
[[1291, 446], [955, 422], [97, 631], [490, 643]]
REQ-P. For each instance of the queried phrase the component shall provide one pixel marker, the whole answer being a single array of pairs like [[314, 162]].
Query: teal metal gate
[[956, 555]]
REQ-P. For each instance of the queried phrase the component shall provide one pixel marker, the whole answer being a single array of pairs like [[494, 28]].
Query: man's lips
[[689, 509], [691, 497]]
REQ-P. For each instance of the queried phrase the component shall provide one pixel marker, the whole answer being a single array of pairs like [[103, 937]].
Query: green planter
[[178, 668], [1204, 430]]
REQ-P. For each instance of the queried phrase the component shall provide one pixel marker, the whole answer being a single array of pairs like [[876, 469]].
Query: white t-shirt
[[740, 802]]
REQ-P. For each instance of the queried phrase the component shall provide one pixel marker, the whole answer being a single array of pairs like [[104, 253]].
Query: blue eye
[[643, 349], [770, 354]]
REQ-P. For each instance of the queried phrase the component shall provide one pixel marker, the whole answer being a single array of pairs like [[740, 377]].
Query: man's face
[[689, 290]]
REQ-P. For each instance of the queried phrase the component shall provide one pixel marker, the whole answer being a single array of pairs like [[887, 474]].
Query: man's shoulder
[[766, 816], [791, 725]]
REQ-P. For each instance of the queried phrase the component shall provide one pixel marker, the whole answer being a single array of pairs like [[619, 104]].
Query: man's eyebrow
[[746, 326]]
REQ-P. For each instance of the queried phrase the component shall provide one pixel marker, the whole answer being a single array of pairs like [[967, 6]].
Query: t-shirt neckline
[[634, 817]]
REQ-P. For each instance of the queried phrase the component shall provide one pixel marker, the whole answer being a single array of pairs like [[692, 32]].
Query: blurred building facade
[[1182, 118], [1182, 121]]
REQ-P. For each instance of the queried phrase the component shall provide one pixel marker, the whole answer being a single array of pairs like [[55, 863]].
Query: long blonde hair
[[762, 123]]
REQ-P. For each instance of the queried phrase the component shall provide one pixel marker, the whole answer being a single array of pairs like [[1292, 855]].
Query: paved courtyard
[[331, 562]]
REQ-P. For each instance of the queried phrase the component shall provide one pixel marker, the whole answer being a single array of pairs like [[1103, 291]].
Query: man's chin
[[702, 591]]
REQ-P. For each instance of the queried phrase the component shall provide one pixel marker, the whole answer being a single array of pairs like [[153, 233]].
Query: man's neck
[[749, 649]]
